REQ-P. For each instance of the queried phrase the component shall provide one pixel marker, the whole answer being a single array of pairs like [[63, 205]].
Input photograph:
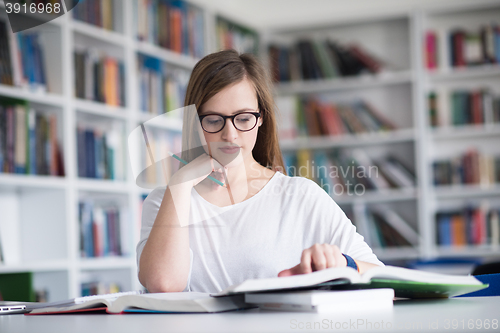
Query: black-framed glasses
[[243, 122]]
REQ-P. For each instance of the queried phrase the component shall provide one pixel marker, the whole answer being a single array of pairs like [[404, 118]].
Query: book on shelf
[[99, 77], [230, 35], [174, 25], [325, 301], [310, 59], [96, 12], [22, 58], [182, 302], [344, 173], [104, 230], [463, 47], [318, 118], [472, 167], [101, 153], [28, 140], [162, 88], [470, 225]]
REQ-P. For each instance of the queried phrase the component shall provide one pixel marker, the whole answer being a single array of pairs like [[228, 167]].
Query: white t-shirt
[[261, 236]]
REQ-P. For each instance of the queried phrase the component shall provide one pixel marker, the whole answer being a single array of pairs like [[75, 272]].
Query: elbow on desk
[[162, 284]]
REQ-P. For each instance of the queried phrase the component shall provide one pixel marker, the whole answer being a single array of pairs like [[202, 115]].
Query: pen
[[184, 162]]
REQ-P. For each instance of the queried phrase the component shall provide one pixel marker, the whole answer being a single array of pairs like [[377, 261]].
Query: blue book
[[90, 154], [497, 43]]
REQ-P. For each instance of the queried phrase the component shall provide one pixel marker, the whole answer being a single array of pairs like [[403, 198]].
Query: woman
[[199, 236]]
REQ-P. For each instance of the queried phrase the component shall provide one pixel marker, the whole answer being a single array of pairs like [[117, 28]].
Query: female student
[[199, 236]]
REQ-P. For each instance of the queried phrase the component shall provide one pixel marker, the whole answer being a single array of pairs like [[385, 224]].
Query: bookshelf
[[35, 205], [400, 91]]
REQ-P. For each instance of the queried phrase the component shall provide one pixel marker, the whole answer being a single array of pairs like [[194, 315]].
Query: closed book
[[323, 301]]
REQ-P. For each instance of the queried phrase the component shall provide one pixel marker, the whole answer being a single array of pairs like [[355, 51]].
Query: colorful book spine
[[172, 24], [476, 226], [102, 230], [100, 153], [99, 78], [28, 140], [96, 12], [162, 88]]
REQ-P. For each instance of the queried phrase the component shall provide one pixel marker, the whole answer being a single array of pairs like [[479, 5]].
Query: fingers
[[315, 258]]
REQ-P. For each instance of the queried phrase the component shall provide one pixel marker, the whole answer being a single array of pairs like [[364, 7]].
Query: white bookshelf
[[400, 93]]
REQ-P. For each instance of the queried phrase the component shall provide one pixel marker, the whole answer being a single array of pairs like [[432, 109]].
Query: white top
[[261, 236]]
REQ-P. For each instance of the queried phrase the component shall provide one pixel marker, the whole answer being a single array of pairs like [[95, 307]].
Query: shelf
[[98, 33], [39, 266], [171, 57], [12, 180], [164, 122], [365, 139], [396, 253], [482, 71], [102, 185], [466, 191], [380, 196], [469, 251], [344, 83], [106, 263], [465, 132], [100, 109], [32, 96]]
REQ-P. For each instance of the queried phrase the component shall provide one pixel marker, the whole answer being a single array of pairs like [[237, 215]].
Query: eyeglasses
[[243, 122]]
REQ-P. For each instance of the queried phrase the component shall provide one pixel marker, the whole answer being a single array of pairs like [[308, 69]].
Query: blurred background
[[391, 106]]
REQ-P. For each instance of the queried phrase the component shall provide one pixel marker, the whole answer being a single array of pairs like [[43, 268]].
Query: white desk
[[407, 316]]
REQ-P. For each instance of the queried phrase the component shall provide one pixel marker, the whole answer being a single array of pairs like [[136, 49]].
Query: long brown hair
[[211, 75]]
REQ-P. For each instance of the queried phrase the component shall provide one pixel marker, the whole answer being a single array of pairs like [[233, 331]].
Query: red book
[[477, 107], [458, 48], [430, 49], [367, 60]]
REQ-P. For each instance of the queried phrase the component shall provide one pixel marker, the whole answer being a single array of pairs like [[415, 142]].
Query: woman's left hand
[[315, 258]]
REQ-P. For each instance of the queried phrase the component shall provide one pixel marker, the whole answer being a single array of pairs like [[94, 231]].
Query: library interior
[[391, 107]]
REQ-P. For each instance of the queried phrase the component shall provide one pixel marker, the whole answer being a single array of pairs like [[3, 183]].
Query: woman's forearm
[[164, 262]]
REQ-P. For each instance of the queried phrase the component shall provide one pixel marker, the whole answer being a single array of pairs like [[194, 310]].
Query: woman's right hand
[[195, 171]]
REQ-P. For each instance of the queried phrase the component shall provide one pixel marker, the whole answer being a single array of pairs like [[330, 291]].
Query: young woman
[[199, 236]]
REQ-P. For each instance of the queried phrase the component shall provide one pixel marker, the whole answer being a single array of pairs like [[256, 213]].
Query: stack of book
[[96, 12], [466, 48], [22, 59], [99, 78], [330, 290], [104, 230], [470, 168], [343, 172], [101, 154], [175, 25], [471, 225], [314, 60], [464, 107], [162, 87], [28, 140], [233, 36]]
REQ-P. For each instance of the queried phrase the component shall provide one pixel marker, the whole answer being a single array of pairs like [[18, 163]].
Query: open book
[[405, 282], [157, 302]]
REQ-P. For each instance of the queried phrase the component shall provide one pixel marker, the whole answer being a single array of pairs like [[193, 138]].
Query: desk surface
[[472, 314]]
